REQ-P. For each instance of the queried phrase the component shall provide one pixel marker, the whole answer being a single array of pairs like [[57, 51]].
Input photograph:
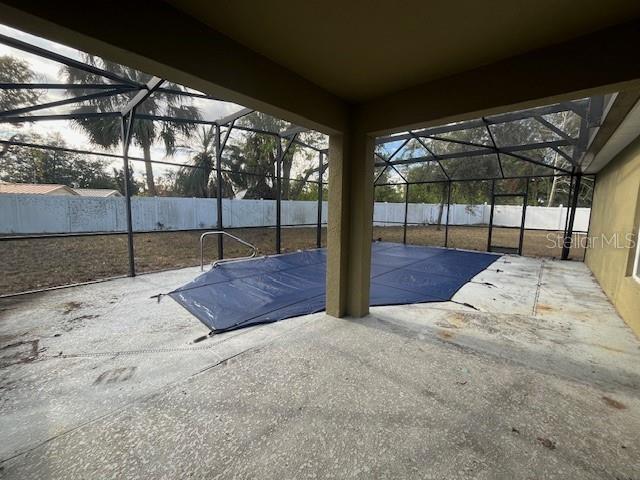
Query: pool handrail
[[254, 250]]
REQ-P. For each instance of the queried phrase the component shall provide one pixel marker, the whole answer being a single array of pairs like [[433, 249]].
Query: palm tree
[[197, 181], [106, 132], [249, 163]]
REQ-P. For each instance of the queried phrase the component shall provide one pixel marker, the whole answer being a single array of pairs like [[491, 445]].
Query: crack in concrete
[[535, 300]]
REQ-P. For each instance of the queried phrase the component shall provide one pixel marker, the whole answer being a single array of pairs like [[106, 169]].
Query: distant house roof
[[55, 189], [97, 192], [36, 189]]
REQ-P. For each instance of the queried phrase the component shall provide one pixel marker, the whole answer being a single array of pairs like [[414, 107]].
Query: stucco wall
[[616, 211]]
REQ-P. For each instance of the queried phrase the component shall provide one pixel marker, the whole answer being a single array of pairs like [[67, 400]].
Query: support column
[[127, 126], [350, 224], [523, 221], [219, 223], [493, 204], [446, 225], [568, 238], [406, 213], [320, 192], [279, 154]]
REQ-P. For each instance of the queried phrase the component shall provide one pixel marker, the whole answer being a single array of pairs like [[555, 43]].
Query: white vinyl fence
[[41, 214], [543, 218]]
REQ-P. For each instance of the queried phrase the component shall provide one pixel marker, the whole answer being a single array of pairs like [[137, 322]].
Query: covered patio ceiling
[[388, 69], [360, 50]]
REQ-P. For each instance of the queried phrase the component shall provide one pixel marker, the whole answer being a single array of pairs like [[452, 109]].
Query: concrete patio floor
[[528, 373]]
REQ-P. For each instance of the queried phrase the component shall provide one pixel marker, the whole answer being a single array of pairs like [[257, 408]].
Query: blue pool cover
[[262, 290]]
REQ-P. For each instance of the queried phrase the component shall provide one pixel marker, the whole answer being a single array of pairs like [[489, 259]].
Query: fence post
[[561, 208]]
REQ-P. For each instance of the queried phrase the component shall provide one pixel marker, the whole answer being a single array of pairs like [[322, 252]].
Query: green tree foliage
[[33, 165], [135, 187], [106, 132], [549, 191], [248, 163], [310, 192], [14, 70]]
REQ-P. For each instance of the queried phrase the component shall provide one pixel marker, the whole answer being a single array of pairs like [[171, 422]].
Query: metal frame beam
[[70, 62], [589, 109], [406, 213], [435, 157], [564, 155], [66, 101], [489, 150], [592, 120], [142, 116], [553, 128], [293, 131], [495, 145], [127, 126], [280, 157], [568, 237], [480, 179], [446, 225], [65, 116], [185, 93], [148, 90], [234, 116], [219, 219], [388, 165], [65, 86], [387, 161], [576, 105], [18, 143], [321, 167]]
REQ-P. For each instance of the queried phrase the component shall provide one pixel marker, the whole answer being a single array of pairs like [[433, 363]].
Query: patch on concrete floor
[[547, 443], [77, 322], [115, 375], [19, 352], [614, 403], [69, 307], [445, 334], [269, 289]]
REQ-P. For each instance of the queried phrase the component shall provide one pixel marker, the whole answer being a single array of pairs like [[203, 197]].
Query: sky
[[48, 71]]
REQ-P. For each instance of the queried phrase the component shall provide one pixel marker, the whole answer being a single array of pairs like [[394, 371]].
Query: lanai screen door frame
[[525, 198]]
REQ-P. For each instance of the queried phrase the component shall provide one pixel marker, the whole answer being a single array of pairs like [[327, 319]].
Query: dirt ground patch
[[31, 264], [536, 243]]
